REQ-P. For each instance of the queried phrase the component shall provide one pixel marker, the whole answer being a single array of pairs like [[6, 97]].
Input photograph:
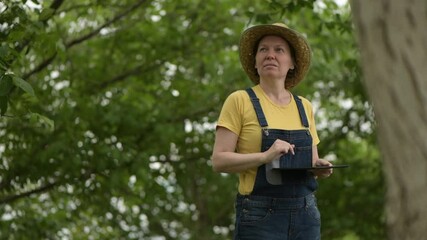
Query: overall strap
[[260, 114], [257, 106], [301, 111]]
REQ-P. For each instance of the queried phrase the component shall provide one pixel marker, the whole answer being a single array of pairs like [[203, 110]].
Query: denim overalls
[[282, 204]]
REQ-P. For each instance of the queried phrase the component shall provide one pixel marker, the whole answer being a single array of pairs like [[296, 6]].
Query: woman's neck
[[275, 90]]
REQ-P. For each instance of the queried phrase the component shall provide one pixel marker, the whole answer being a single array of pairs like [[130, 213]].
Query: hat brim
[[251, 37]]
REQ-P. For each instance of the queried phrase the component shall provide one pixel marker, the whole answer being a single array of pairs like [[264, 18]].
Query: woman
[[268, 136]]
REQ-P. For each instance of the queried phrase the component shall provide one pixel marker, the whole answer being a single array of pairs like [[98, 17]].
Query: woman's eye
[[262, 49]]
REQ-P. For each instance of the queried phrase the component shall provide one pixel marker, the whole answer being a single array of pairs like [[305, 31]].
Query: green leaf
[[7, 54], [6, 84], [3, 68], [3, 105], [46, 14], [4, 50], [24, 85], [38, 118], [17, 33]]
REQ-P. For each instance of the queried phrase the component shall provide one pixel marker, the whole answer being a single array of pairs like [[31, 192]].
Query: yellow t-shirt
[[238, 115]]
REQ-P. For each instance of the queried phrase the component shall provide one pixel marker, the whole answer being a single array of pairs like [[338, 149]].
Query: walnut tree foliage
[[108, 113]]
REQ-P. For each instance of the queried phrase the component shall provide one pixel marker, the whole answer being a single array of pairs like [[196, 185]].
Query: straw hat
[[302, 53]]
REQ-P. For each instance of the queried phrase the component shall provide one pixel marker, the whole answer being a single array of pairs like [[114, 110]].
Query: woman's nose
[[270, 55]]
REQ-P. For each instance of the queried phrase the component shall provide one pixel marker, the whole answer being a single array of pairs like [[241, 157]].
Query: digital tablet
[[333, 166], [316, 167]]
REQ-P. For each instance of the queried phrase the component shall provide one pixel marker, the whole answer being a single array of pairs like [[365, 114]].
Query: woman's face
[[273, 58]]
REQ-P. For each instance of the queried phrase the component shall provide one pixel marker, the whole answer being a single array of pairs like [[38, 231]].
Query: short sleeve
[[231, 116]]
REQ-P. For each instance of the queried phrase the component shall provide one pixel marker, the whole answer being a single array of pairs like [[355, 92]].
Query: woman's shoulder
[[304, 101], [239, 95]]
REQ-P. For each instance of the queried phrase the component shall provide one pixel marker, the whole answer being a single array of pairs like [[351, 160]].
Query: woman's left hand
[[323, 173]]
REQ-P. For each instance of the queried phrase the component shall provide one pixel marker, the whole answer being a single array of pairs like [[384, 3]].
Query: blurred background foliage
[[108, 112]]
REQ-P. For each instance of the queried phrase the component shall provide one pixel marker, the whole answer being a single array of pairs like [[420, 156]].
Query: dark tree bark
[[393, 44]]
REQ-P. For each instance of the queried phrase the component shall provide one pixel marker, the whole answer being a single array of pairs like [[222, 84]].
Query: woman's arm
[[225, 159]]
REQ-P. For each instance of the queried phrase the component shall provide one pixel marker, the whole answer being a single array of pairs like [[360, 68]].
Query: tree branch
[[56, 4], [85, 6], [130, 72], [39, 67], [81, 39], [15, 197], [98, 29]]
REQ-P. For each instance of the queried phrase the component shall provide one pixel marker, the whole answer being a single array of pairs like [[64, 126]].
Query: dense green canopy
[[108, 113]]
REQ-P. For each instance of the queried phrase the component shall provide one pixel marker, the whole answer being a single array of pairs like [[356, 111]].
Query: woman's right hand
[[225, 159], [277, 149]]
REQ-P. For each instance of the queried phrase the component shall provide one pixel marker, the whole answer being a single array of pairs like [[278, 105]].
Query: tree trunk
[[393, 41]]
